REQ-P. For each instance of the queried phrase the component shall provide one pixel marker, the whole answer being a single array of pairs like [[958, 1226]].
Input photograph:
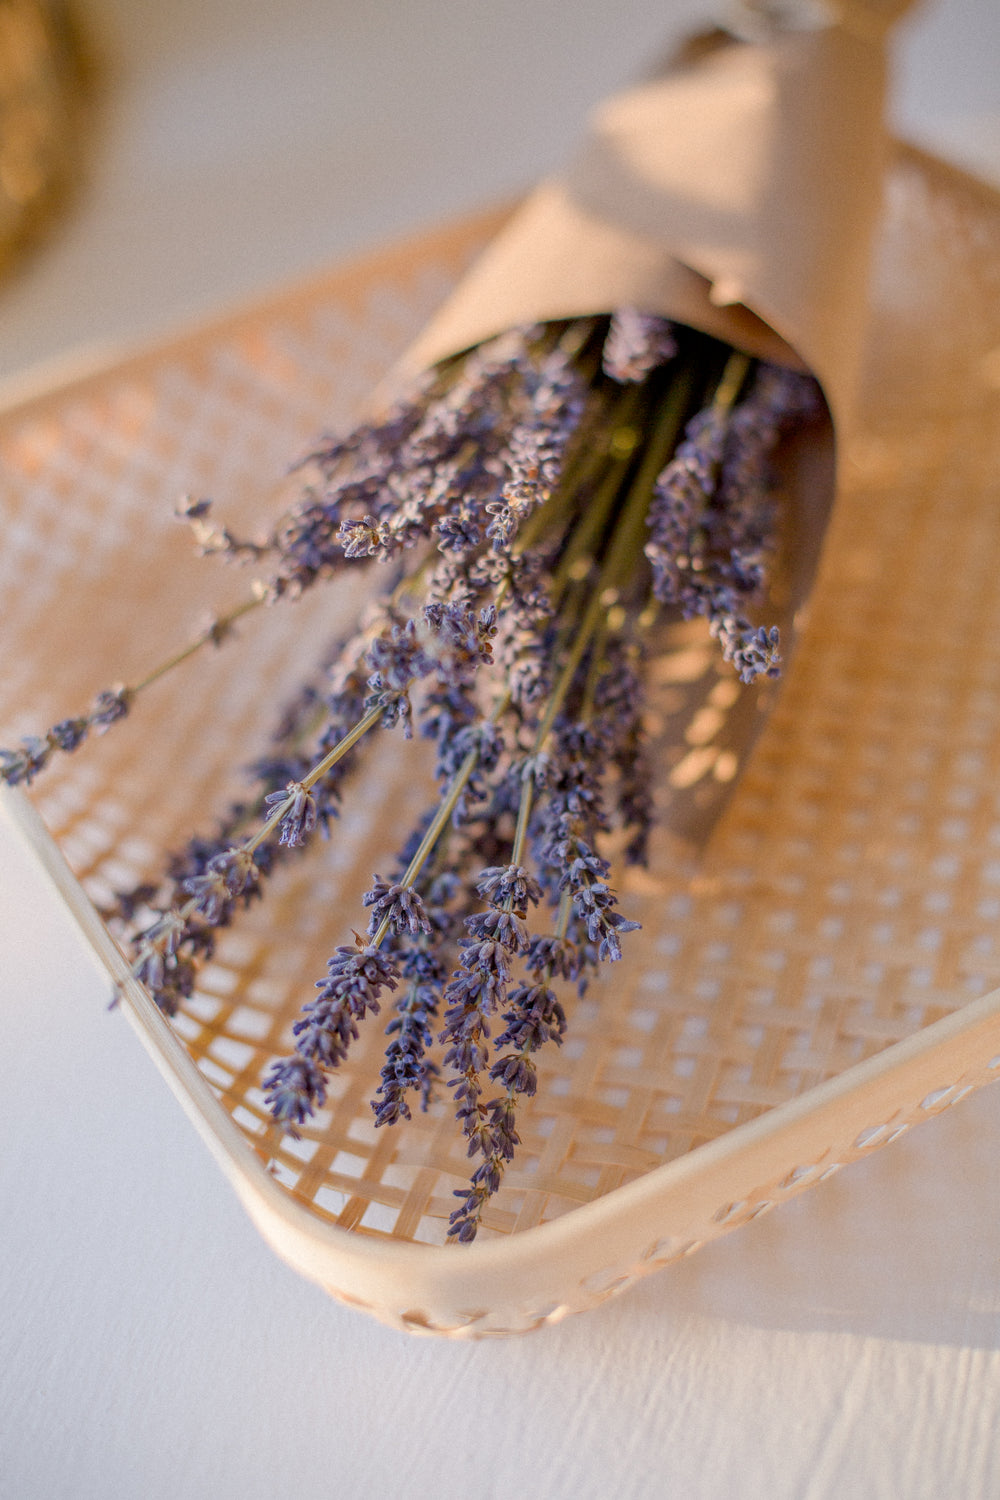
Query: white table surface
[[151, 1345]]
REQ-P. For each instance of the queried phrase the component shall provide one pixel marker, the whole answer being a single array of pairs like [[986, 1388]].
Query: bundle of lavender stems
[[529, 514]]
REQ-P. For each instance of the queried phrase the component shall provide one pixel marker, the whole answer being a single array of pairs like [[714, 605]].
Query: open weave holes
[[852, 891]]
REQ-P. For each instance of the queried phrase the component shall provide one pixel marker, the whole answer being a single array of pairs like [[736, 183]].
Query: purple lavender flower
[[505, 497], [356, 977], [407, 1067], [710, 521], [620, 700], [20, 767], [355, 476], [110, 706], [421, 955], [212, 898], [534, 1018], [637, 343], [294, 1089], [459, 531], [559, 957], [475, 990], [512, 886], [364, 538], [69, 734], [300, 813], [537, 446], [467, 632], [162, 961], [398, 905]]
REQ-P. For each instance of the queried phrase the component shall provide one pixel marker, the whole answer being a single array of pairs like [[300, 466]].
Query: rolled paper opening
[[737, 193]]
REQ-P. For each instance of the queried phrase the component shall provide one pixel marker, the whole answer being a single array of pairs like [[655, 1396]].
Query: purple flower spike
[[300, 816], [511, 884], [400, 904], [110, 706], [355, 979], [637, 343], [294, 1088], [491, 510]]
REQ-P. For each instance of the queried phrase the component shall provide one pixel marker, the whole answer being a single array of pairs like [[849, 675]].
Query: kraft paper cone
[[739, 193]]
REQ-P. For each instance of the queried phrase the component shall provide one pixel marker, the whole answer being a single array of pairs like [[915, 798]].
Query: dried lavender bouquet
[[529, 514], [556, 482]]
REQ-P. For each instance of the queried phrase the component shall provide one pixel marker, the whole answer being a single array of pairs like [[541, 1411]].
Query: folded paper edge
[[756, 224]]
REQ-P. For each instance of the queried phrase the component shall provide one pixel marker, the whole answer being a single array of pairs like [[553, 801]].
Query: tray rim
[[611, 1221], [601, 1240]]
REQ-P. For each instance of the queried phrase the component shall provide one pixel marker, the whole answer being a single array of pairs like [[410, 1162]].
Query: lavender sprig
[[710, 520], [295, 1086], [533, 1017], [530, 507], [20, 767], [637, 343]]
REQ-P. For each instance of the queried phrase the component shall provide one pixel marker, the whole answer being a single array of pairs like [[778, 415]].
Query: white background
[[150, 1344]]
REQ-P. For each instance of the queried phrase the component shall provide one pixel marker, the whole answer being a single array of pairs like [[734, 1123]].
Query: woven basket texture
[[850, 895]]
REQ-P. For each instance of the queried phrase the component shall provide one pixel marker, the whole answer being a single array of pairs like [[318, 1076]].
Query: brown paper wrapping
[[738, 194]]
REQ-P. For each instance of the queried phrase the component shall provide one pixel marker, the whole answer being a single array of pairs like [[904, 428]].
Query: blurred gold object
[[42, 88]]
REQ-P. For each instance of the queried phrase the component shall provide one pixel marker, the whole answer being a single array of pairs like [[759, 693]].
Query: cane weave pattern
[[851, 893]]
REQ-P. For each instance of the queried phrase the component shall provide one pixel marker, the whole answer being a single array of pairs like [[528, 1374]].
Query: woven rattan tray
[[806, 994]]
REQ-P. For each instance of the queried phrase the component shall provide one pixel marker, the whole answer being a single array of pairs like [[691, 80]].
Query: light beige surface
[[685, 1101], [845, 1345]]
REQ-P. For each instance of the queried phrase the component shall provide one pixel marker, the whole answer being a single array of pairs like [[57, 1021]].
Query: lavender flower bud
[[21, 766], [400, 904], [511, 884], [637, 343], [69, 734], [110, 706], [294, 1088], [300, 815]]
